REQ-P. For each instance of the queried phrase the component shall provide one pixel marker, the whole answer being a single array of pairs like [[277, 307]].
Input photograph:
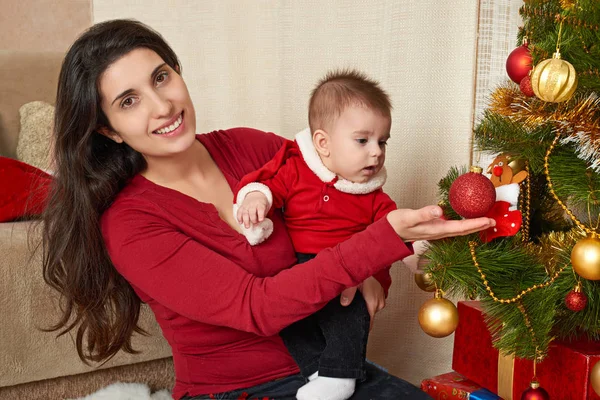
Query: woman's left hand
[[373, 294]]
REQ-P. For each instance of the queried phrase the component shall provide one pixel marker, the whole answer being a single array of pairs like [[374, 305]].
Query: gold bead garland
[[527, 320], [518, 297], [521, 308], [524, 205], [553, 193]]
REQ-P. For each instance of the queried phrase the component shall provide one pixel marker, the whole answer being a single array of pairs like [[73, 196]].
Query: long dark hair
[[90, 170]]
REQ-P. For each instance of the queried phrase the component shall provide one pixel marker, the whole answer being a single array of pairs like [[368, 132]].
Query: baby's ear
[[321, 142], [109, 133]]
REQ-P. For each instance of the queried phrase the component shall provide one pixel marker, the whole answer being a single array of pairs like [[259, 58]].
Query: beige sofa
[[36, 364]]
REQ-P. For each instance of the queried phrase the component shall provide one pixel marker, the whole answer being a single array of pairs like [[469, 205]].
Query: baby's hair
[[340, 89]]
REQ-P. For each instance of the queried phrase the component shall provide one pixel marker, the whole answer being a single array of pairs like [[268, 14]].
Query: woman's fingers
[[417, 217], [463, 227], [426, 224]]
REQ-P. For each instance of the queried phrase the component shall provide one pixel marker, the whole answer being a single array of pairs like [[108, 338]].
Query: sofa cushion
[[28, 304], [29, 76], [33, 146]]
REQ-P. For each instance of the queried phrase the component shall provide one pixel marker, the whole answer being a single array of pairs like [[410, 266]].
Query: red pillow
[[23, 190]]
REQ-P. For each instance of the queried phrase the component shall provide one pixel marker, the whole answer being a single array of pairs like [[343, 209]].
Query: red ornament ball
[[526, 87], [472, 195], [535, 394], [518, 63], [576, 300]]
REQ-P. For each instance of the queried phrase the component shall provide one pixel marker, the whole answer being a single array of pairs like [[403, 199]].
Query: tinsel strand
[[530, 12]]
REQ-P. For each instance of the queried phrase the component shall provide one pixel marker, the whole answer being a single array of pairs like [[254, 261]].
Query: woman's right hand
[[426, 224]]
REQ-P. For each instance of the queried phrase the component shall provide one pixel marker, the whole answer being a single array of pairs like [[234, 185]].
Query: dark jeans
[[333, 340], [378, 385]]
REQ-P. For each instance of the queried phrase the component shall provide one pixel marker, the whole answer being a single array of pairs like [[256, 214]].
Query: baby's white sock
[[325, 388]]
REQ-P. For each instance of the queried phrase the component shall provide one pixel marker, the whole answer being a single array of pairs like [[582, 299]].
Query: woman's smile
[[171, 128]]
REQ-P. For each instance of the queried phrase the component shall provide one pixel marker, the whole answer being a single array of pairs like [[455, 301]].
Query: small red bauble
[[472, 194], [576, 300], [526, 87], [518, 63], [535, 392]]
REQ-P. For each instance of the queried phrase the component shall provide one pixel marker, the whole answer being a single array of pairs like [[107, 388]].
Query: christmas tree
[[537, 273]]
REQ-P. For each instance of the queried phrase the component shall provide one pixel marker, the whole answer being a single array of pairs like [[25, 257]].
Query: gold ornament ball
[[438, 317], [554, 80], [585, 258], [595, 378], [425, 281]]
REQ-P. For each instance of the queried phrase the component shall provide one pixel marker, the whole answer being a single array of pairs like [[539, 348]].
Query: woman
[[141, 210]]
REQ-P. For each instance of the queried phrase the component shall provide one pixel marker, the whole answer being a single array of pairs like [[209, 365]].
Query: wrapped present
[[452, 385], [564, 373]]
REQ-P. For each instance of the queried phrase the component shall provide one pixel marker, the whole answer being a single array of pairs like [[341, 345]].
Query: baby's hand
[[253, 209]]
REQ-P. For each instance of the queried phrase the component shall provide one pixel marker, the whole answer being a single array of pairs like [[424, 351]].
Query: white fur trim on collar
[[312, 159]]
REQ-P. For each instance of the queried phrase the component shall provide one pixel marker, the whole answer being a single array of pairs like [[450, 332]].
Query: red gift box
[[564, 372], [453, 386]]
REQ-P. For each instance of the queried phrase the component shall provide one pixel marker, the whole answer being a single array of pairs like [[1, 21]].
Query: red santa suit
[[320, 208]]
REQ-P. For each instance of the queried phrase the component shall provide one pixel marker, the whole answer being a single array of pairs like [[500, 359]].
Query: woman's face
[[148, 105]]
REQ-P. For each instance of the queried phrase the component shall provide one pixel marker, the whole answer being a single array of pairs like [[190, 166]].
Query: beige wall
[[42, 25], [39, 30]]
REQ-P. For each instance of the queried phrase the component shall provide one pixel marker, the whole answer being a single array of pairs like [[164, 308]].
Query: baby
[[328, 181]]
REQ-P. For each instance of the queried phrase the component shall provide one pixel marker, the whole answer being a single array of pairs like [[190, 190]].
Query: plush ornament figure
[[503, 173], [506, 176], [504, 212], [472, 195], [508, 222], [510, 194]]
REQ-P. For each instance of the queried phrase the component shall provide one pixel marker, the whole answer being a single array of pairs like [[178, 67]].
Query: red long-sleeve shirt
[[219, 301]]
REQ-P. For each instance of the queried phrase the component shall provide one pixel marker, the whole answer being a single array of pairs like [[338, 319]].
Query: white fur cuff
[[255, 187]]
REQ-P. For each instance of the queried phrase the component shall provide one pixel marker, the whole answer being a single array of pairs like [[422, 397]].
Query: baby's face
[[357, 142]]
